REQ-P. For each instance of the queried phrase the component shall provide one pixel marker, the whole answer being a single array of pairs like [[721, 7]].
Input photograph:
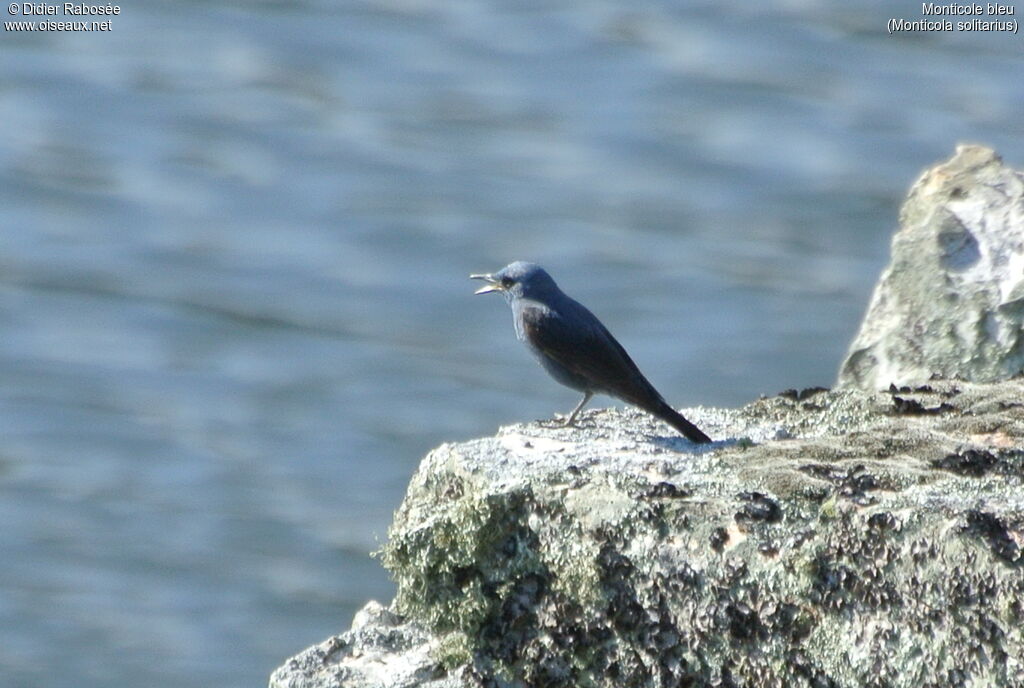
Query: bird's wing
[[581, 344]]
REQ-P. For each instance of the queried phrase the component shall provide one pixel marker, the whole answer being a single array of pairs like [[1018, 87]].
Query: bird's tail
[[677, 421]]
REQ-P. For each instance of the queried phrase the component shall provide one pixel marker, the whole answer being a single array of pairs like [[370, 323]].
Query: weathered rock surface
[[381, 649], [880, 545], [951, 301]]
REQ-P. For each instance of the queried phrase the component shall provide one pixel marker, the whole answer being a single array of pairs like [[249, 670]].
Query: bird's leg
[[579, 407]]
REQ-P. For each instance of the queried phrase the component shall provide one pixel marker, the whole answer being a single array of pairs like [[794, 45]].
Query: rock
[[380, 650], [843, 538], [881, 547], [951, 301]]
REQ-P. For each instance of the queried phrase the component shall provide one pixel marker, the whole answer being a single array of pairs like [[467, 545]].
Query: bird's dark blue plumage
[[574, 347]]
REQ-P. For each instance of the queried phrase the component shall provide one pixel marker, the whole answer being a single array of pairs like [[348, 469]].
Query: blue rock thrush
[[574, 347]]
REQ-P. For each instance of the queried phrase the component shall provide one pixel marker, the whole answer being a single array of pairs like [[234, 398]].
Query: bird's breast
[[528, 310]]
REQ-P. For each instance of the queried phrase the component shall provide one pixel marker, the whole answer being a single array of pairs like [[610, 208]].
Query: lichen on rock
[[859, 555]]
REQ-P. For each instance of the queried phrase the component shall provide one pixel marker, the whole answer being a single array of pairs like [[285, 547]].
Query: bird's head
[[518, 280]]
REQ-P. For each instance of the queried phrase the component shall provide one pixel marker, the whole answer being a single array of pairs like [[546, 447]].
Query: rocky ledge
[[830, 538]]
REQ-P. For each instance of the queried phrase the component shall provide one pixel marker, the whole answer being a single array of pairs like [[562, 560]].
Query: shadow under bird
[[574, 347]]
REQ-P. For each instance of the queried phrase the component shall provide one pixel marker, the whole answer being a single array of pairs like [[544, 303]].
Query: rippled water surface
[[234, 241]]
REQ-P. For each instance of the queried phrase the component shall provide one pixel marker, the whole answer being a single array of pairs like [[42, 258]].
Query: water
[[234, 241]]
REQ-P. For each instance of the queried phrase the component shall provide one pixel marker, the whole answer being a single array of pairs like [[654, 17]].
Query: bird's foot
[[570, 421], [556, 422]]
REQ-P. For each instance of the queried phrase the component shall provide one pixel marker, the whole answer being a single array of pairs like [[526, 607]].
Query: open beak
[[492, 284]]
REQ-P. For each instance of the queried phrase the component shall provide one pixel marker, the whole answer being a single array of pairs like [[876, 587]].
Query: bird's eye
[[506, 282]]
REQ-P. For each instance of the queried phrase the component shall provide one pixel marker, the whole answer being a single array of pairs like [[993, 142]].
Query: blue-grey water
[[234, 241]]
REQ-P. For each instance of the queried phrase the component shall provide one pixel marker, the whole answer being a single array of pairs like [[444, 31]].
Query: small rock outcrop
[[951, 301], [381, 649]]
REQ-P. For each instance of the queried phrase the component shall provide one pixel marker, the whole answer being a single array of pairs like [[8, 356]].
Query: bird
[[574, 347]]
